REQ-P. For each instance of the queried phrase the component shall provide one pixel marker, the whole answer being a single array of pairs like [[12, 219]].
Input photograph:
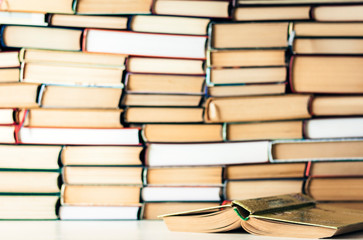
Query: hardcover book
[[213, 9], [41, 37], [144, 44], [326, 74]]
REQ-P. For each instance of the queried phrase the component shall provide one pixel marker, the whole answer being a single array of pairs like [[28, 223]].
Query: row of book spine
[[201, 108]]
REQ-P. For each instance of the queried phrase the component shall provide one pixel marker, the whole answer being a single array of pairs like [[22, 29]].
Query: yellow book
[[291, 215]]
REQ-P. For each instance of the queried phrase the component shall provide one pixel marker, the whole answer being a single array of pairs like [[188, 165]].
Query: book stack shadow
[[125, 111]]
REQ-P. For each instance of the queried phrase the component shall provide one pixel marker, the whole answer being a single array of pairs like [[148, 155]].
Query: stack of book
[[233, 100], [101, 182]]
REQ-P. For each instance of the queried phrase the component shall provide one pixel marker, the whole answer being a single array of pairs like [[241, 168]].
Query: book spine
[[21, 55], [270, 155], [208, 103], [2, 30], [224, 132], [84, 40], [291, 69], [22, 70], [152, 7], [74, 6], [144, 176]]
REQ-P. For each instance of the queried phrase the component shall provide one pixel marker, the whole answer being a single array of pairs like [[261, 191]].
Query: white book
[[181, 194], [145, 44], [23, 18], [334, 128], [207, 153], [99, 213], [82, 136]]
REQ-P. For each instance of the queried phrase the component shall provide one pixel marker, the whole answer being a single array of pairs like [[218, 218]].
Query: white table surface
[[128, 230]]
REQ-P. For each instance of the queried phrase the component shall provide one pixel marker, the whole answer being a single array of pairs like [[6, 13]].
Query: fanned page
[[145, 44], [291, 215]]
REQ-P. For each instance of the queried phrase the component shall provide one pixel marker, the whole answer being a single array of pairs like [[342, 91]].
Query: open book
[[292, 215]]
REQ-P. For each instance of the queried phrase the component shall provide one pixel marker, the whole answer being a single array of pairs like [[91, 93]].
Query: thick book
[[316, 150], [99, 212], [245, 75], [338, 13], [169, 24], [18, 95], [71, 74], [183, 176], [247, 90], [7, 116], [100, 195], [161, 100], [249, 35], [328, 29], [264, 130], [271, 13], [257, 108], [84, 21], [292, 215], [206, 153], [9, 59], [78, 136], [101, 155], [68, 117], [71, 57], [246, 58], [335, 188], [28, 207], [23, 18], [7, 133], [164, 115], [164, 84], [136, 64], [102, 175], [181, 194], [115, 7], [65, 6], [328, 46], [212, 9], [265, 171], [9, 75], [17, 181], [182, 132], [335, 169], [256, 188], [27, 157], [326, 74], [333, 128], [144, 44], [41, 37], [71, 96], [341, 105]]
